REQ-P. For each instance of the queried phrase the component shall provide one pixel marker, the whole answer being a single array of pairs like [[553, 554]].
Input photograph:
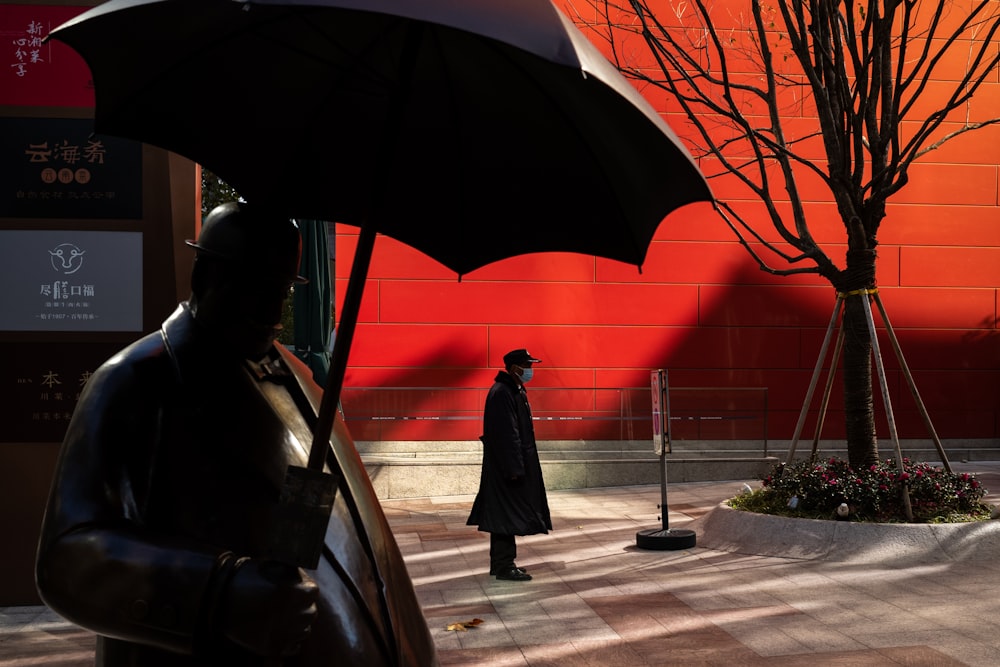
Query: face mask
[[527, 374]]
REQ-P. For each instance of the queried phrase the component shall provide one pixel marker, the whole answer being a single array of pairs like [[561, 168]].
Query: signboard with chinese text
[[91, 246], [69, 280], [41, 385], [37, 73], [56, 168]]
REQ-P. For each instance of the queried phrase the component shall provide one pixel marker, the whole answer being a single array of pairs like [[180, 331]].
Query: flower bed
[[816, 489]]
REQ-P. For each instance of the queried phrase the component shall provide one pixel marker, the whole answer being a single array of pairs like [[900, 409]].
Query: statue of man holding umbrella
[[160, 528]]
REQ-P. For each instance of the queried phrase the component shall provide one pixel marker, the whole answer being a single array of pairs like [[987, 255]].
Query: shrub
[[815, 489]]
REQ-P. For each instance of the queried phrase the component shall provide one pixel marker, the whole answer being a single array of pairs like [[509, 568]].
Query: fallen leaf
[[463, 626]]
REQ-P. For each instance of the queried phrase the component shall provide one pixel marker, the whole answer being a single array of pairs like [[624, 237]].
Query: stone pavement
[[598, 601]]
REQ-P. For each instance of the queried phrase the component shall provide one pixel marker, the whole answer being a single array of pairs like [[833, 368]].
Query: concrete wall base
[[414, 469], [889, 544], [414, 478]]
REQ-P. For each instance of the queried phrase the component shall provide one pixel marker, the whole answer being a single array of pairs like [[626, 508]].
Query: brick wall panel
[[389, 345], [765, 306], [539, 303], [950, 266], [935, 308], [934, 224], [956, 184], [368, 311], [652, 347]]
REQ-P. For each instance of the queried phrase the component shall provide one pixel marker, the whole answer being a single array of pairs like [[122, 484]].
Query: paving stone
[[599, 601]]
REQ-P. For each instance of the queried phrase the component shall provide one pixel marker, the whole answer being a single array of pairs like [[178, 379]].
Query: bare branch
[[951, 135], [760, 91], [741, 228]]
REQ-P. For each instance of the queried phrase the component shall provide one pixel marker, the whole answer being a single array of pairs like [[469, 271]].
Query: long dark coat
[[509, 450], [176, 457]]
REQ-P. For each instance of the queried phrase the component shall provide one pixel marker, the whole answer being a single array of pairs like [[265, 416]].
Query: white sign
[[67, 280]]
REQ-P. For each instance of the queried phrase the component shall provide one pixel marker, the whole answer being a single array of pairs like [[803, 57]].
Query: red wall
[[703, 310]]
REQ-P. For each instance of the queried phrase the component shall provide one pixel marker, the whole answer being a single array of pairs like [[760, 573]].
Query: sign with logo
[[67, 280], [56, 168]]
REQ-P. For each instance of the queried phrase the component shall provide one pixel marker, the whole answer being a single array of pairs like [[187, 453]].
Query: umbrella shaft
[[342, 347], [363, 254]]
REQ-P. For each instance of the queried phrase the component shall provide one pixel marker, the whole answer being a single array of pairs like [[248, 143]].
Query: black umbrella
[[472, 131]]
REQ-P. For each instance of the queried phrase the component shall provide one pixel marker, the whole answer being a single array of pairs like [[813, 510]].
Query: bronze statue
[[156, 535]]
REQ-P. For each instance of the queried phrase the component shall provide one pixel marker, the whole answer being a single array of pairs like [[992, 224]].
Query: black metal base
[[665, 540]]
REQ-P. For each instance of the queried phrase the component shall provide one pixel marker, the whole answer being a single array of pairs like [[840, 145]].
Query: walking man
[[511, 499]]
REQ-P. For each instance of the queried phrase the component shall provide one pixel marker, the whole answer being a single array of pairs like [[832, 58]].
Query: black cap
[[262, 242], [519, 357]]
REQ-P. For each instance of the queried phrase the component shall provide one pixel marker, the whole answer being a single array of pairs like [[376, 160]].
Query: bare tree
[[780, 91], [215, 191]]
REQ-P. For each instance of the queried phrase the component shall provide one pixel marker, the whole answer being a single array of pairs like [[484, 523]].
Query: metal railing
[[560, 413]]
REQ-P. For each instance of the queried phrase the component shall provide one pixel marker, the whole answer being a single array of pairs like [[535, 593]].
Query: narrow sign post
[[663, 538]]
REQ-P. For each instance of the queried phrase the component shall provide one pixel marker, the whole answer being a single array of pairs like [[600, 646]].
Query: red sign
[[33, 73]]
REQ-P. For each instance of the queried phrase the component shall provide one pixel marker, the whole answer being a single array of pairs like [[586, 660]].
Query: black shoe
[[513, 574], [493, 571]]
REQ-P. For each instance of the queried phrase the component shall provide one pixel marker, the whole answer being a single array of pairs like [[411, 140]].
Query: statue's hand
[[269, 607]]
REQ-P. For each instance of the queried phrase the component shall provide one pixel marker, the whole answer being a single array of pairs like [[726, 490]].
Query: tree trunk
[[859, 408]]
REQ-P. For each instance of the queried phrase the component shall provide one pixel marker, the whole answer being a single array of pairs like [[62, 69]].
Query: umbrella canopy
[[471, 131]]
